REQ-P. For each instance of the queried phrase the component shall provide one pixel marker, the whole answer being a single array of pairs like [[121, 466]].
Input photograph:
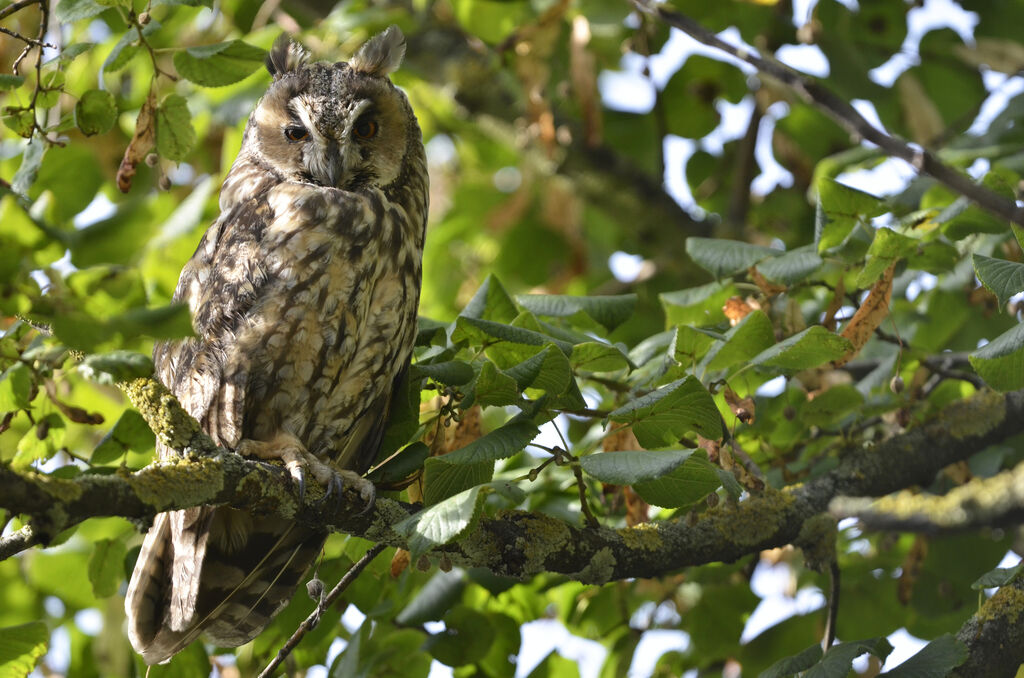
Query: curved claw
[[333, 489], [298, 474]]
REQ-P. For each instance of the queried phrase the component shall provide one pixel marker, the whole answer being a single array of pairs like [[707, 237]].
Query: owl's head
[[343, 125]]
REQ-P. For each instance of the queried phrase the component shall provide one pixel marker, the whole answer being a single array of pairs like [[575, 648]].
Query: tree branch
[[846, 115], [982, 502], [17, 541], [512, 543], [995, 635]]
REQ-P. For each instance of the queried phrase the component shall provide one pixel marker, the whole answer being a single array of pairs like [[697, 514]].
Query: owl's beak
[[335, 165]]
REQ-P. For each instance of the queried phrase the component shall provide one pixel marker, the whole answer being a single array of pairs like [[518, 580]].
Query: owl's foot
[[299, 461]]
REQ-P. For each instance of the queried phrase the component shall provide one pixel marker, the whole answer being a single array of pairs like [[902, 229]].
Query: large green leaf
[[610, 311], [219, 64], [843, 208], [629, 467], [1001, 361], [813, 347], [752, 335], [685, 485], [935, 660], [726, 257], [1003, 278], [661, 417], [21, 647]]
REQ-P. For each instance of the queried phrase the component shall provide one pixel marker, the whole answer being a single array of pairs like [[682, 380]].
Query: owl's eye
[[296, 133], [365, 129]]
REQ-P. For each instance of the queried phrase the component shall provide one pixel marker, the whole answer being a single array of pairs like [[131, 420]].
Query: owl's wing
[[220, 284]]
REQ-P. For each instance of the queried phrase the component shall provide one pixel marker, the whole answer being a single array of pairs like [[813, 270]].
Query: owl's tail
[[213, 570]]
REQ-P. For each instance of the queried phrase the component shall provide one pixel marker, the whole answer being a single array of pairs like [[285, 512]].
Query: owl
[[303, 296]]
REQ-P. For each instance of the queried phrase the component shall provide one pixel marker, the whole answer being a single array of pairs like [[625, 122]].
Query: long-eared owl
[[303, 296]]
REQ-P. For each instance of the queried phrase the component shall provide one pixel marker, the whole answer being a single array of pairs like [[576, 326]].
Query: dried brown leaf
[[869, 316], [140, 145]]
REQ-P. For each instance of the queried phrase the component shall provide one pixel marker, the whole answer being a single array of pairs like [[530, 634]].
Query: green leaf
[[837, 661], [1001, 361], [1003, 278], [843, 208], [935, 660], [501, 443], [804, 350], [15, 387], [609, 311], [126, 48], [493, 387], [792, 665], [1000, 576], [662, 417], [829, 407], [221, 64], [596, 356], [8, 81], [19, 120], [548, 370], [106, 567], [726, 257], [68, 11], [696, 305], [752, 335], [628, 467], [442, 480], [686, 485], [491, 302], [174, 134], [438, 595], [402, 465], [21, 648], [116, 366], [443, 522], [95, 112], [690, 344], [466, 639], [31, 161], [792, 266], [130, 433], [450, 373], [479, 331], [41, 442]]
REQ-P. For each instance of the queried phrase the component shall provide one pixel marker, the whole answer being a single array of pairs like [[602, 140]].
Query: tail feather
[[218, 573]]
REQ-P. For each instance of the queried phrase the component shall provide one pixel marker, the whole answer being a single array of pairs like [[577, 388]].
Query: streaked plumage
[[303, 295]]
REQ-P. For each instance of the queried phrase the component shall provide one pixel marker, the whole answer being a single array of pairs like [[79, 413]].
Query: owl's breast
[[337, 319]]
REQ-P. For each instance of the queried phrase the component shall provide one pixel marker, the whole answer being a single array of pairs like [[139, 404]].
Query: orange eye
[[365, 129], [296, 133]]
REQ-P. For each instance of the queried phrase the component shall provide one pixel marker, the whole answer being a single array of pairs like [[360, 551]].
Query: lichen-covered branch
[[995, 635], [846, 115], [17, 541], [982, 502], [517, 543]]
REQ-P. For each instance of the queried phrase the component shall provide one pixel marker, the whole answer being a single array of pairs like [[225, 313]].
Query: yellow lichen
[[65, 491], [543, 536], [1006, 606], [752, 521], [643, 536], [170, 422], [600, 568], [194, 482], [974, 416]]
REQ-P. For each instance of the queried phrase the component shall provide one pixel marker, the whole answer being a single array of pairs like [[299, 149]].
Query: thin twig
[[833, 606], [15, 6], [30, 41], [16, 542], [847, 116], [310, 622]]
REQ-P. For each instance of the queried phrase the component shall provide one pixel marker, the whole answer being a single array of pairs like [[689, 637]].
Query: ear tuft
[[285, 56], [381, 55]]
